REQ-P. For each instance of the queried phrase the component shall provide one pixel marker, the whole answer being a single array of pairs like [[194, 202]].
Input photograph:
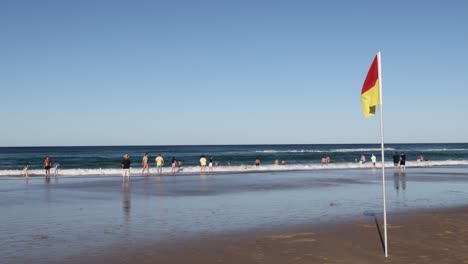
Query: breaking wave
[[364, 150], [235, 169]]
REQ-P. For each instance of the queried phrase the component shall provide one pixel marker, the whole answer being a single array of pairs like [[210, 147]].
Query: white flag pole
[[383, 155]]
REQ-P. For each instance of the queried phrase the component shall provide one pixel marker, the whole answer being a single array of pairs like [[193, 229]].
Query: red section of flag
[[372, 76]]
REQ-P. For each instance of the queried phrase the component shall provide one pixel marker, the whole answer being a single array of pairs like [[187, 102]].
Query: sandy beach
[[428, 236], [329, 216]]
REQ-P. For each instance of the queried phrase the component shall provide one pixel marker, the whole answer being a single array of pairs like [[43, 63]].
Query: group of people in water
[[175, 164], [399, 161], [47, 166]]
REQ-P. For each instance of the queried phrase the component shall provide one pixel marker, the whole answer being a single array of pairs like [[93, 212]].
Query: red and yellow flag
[[370, 97]]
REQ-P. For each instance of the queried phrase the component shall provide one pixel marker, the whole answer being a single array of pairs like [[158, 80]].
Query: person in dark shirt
[[126, 167], [396, 160], [402, 161]]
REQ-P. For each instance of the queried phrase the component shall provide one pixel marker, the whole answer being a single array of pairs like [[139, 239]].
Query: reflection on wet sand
[[159, 179], [126, 200], [399, 180], [203, 177], [146, 178], [47, 196]]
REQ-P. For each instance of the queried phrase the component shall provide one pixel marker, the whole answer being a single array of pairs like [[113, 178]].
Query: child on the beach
[[374, 160], [25, 170], [210, 165], [174, 164], [56, 167]]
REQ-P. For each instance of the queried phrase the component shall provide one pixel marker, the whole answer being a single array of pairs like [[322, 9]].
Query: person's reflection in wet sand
[[47, 180], [399, 179], [126, 200], [202, 177], [146, 178], [47, 195], [403, 180], [396, 183], [159, 179]]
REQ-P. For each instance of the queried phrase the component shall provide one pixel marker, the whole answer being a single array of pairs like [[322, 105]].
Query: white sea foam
[[365, 150], [362, 150], [291, 151], [237, 169], [443, 150]]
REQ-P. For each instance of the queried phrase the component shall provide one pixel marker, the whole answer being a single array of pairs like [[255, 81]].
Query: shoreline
[[224, 170]]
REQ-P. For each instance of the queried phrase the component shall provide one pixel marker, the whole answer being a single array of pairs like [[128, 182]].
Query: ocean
[[106, 160]]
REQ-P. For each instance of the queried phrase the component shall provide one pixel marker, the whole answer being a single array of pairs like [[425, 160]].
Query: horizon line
[[195, 145]]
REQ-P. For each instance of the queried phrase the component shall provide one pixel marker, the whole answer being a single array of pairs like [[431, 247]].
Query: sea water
[[106, 160]]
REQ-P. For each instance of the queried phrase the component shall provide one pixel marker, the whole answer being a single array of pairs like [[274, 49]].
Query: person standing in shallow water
[[210, 165], [126, 162], [363, 159], [257, 162], [25, 170], [374, 160], [47, 165], [56, 168], [396, 160], [202, 163], [420, 158], [173, 164], [144, 163], [159, 164], [403, 161]]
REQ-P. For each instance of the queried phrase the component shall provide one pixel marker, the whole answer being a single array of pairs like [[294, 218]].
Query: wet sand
[[427, 236], [295, 217]]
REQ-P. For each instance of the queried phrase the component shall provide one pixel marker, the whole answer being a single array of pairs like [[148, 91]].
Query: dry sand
[[427, 236]]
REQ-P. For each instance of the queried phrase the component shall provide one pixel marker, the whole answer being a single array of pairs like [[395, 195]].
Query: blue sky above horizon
[[230, 72]]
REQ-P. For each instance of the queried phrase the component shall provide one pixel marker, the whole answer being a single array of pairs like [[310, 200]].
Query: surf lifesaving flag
[[370, 94]]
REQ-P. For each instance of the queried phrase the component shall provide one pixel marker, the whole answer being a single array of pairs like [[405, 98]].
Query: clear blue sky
[[230, 72]]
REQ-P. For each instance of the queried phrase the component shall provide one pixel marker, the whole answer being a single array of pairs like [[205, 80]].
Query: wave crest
[[235, 169], [323, 151]]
